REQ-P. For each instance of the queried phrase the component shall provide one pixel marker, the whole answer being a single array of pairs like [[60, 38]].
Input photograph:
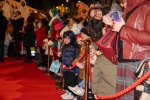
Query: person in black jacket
[[17, 22], [3, 26], [29, 38]]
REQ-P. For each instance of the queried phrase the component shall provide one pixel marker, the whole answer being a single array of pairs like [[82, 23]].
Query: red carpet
[[20, 81]]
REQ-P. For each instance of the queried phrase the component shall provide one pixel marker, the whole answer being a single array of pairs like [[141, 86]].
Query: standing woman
[[41, 35], [134, 32], [29, 38], [104, 73]]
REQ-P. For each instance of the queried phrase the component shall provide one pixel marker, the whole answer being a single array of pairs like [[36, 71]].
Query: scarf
[[50, 25]]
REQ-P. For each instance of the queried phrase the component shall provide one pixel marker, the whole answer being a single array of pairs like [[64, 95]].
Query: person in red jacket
[[41, 35], [134, 45]]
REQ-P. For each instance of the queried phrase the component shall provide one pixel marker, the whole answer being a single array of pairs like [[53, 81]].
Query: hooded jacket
[[135, 34]]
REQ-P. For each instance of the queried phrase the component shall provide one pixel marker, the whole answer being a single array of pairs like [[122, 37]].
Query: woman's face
[[96, 14], [71, 21], [66, 40], [124, 4]]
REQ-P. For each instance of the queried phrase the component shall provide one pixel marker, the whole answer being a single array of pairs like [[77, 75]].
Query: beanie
[[54, 11], [84, 31]]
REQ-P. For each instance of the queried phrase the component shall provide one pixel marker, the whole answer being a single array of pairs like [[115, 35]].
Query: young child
[[7, 41], [78, 89], [67, 57]]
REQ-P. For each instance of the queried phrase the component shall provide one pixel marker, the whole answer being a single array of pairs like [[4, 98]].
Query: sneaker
[[79, 91], [75, 98], [65, 94], [42, 68], [73, 88], [68, 97]]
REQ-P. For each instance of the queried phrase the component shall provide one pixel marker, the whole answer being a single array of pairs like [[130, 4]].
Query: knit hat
[[84, 31], [54, 11], [78, 36]]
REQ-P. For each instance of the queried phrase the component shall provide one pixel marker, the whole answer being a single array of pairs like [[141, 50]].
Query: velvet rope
[[71, 67], [139, 81]]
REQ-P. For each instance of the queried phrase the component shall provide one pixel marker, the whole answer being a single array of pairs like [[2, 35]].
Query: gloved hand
[[80, 65], [45, 40], [50, 42], [44, 46]]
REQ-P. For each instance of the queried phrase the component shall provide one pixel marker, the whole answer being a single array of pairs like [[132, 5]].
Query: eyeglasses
[[96, 13]]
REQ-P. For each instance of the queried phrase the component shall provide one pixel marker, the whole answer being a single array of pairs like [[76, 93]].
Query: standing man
[[17, 24], [3, 26]]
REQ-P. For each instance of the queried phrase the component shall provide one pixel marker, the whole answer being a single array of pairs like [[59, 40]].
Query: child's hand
[[80, 65], [45, 40], [63, 66], [59, 54]]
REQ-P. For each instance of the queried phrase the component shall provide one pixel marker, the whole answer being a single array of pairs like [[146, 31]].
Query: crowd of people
[[64, 39]]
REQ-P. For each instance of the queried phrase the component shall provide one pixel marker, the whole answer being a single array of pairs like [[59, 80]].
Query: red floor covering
[[20, 81]]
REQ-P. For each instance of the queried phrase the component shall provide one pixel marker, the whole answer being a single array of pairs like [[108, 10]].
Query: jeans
[[5, 50]]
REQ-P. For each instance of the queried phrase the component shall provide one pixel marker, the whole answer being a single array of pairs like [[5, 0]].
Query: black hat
[[84, 31]]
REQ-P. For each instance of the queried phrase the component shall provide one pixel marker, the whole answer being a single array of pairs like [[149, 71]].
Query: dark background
[[45, 4]]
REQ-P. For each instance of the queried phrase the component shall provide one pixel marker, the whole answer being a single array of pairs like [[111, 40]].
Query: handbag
[[54, 66], [108, 45], [144, 88]]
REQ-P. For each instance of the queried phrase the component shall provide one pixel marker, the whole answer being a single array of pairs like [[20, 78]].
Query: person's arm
[[141, 37]]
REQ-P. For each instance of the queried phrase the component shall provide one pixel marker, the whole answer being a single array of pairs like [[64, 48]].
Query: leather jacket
[[136, 33]]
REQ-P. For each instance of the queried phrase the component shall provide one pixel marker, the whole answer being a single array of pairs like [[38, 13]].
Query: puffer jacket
[[136, 33]]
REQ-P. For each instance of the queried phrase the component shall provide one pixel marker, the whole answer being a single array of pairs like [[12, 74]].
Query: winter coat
[[29, 36], [135, 34], [17, 24], [68, 55], [41, 35], [3, 26]]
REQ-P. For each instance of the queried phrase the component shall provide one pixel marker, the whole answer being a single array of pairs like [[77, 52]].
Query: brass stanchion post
[[48, 61], [86, 72]]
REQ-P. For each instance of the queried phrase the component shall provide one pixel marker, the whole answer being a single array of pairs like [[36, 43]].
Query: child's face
[[92, 50], [79, 40], [66, 40]]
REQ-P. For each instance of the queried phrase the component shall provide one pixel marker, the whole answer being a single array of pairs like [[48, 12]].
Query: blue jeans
[[82, 83]]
